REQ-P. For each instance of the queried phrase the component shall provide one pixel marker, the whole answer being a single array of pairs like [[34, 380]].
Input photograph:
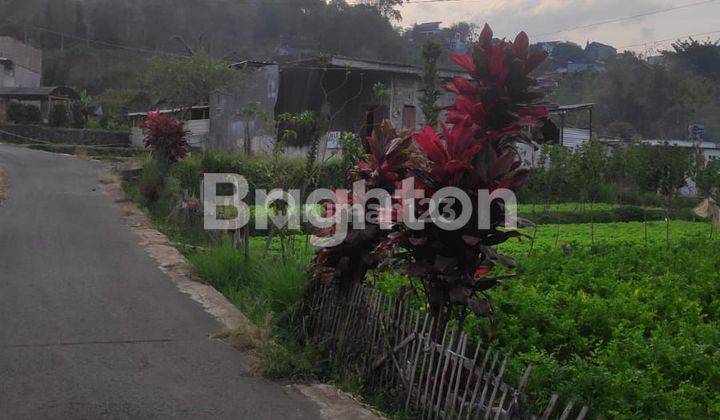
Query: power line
[[669, 39], [623, 19], [89, 40]]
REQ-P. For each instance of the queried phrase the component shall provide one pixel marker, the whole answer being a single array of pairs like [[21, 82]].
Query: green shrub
[[58, 115], [151, 180], [33, 114], [19, 113], [16, 113]]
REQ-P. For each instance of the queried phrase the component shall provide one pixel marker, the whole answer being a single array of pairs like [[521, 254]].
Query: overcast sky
[[536, 17]]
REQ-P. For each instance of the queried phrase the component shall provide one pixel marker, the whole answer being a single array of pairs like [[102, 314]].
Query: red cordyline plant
[[165, 137], [474, 150]]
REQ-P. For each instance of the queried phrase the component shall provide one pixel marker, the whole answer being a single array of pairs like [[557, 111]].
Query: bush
[[16, 113], [166, 138], [261, 172], [58, 115], [33, 114], [151, 180], [19, 113]]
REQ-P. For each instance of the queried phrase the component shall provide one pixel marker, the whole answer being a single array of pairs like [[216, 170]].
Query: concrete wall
[[230, 121], [29, 133], [27, 61]]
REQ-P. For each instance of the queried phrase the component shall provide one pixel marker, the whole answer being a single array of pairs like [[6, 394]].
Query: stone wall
[[40, 134]]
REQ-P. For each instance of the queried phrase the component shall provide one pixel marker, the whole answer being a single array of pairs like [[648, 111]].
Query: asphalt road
[[91, 328]]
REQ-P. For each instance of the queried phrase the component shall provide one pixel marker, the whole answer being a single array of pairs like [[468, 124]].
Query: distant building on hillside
[[573, 68], [428, 28], [20, 64], [548, 47], [458, 44], [595, 51]]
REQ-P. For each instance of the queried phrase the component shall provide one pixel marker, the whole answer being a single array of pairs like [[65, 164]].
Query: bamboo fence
[[391, 343]]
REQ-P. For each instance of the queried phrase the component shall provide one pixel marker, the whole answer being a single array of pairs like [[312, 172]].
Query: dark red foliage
[[474, 151], [165, 137]]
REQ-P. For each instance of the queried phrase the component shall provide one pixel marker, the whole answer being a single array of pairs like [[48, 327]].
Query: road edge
[[329, 399]]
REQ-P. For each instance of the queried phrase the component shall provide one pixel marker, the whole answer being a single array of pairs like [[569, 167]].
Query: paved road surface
[[90, 328]]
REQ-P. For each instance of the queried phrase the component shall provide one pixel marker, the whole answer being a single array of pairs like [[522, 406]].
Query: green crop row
[[628, 327]]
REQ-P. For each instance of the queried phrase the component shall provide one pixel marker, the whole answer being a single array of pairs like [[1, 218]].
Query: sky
[[543, 19]]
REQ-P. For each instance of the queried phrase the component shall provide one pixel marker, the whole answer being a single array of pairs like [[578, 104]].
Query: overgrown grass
[[268, 292]]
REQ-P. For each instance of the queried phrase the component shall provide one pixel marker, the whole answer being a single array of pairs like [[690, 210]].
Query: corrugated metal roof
[[572, 107], [38, 92], [367, 65]]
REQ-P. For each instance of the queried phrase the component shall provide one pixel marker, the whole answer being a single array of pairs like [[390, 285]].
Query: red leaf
[[535, 60], [464, 61], [521, 45], [430, 144], [486, 36]]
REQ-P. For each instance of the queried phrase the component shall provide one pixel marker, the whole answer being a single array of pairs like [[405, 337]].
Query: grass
[[267, 291]]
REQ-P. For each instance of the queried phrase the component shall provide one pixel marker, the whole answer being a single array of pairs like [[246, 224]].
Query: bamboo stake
[[480, 379], [471, 370], [550, 407], [427, 397], [568, 409], [486, 386], [453, 349], [425, 349], [496, 386], [417, 348]]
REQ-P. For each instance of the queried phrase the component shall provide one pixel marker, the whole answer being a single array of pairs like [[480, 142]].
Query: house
[[427, 29], [20, 64], [547, 46], [595, 51], [573, 68], [44, 97], [557, 130], [240, 120], [357, 95], [709, 149]]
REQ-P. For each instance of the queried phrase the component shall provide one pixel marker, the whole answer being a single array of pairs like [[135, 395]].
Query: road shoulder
[[331, 401]]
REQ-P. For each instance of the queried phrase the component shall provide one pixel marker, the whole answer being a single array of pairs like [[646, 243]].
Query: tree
[[387, 8], [702, 58], [430, 90], [187, 81], [567, 51], [590, 163], [707, 177]]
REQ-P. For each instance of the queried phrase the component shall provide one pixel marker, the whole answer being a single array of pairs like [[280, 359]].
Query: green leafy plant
[[430, 90], [58, 115]]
